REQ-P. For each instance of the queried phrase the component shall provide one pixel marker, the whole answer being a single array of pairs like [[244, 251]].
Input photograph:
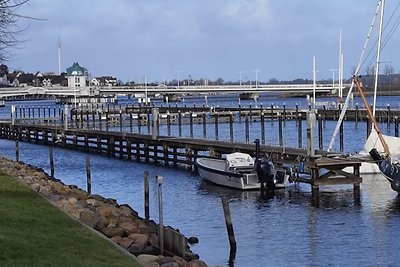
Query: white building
[[77, 77]]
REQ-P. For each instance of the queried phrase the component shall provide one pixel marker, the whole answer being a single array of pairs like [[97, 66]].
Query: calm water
[[288, 230]]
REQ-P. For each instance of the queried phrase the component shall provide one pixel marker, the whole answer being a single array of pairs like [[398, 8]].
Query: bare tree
[[8, 25], [388, 69]]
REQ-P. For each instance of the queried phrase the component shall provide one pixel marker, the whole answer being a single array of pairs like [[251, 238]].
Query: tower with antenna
[[59, 55]]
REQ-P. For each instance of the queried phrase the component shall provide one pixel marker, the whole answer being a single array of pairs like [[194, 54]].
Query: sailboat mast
[[378, 56]]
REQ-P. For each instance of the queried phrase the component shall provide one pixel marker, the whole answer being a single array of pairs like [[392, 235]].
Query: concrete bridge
[[22, 92]]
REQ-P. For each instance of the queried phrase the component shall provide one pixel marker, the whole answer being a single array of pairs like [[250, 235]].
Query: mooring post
[[51, 154], [155, 112], [13, 114], [240, 113], [247, 128], [160, 215], [388, 118], [168, 123], [262, 121], [17, 149], [311, 117], [228, 222], [204, 125], [216, 126], [356, 116], [231, 127], [120, 120], [88, 176], [272, 113], [146, 196], [191, 123], [396, 126], [66, 111], [250, 113], [320, 140], [179, 123], [280, 137], [299, 131]]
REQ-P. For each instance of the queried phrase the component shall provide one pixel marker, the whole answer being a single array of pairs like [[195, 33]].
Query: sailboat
[[388, 145]]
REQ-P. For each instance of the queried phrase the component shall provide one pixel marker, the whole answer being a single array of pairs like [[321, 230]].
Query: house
[[104, 81], [77, 77]]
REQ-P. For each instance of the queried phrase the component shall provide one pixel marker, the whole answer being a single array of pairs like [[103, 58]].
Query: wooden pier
[[180, 151]]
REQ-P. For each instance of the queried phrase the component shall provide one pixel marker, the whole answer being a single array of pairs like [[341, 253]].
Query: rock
[[89, 218], [139, 239], [54, 198], [101, 224], [44, 190], [35, 186], [116, 239], [72, 200], [114, 231], [153, 240], [130, 227], [147, 259], [181, 262], [193, 240], [196, 263], [96, 197], [125, 242], [127, 211], [165, 260], [93, 202], [169, 264], [107, 210]]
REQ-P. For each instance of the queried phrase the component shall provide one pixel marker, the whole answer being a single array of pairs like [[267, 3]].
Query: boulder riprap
[[118, 222]]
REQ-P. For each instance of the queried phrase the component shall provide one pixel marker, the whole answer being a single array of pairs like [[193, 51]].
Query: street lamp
[[240, 77], [333, 77], [256, 71]]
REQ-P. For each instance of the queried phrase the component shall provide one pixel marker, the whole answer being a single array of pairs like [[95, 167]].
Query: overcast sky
[[131, 39]]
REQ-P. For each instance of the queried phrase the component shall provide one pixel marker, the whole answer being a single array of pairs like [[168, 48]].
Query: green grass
[[35, 233]]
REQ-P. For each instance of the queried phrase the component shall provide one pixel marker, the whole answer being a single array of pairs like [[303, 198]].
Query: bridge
[[22, 92]]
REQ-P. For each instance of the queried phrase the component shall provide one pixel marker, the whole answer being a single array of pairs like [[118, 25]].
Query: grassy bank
[[35, 233]]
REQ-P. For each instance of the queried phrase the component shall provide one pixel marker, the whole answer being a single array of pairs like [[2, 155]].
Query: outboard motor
[[388, 169], [265, 173]]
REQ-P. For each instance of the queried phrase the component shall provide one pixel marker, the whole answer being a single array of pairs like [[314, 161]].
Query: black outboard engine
[[388, 169], [265, 173]]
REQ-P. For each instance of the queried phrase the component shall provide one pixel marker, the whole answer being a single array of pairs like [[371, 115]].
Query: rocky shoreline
[[120, 223]]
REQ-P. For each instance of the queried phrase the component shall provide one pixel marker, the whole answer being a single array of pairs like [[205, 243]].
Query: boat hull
[[214, 173]]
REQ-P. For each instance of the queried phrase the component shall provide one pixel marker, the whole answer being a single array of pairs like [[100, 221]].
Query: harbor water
[[290, 229]]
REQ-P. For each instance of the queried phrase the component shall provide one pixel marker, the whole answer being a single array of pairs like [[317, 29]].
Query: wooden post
[[120, 120], [388, 119], [179, 123], [160, 214], [310, 132], [272, 113], [204, 125], [320, 141], [168, 123], [300, 131], [231, 127], [51, 154], [247, 128], [191, 123], [280, 137], [88, 176], [396, 126], [356, 116], [17, 149], [228, 222], [146, 196], [262, 121], [155, 123], [216, 126], [250, 113]]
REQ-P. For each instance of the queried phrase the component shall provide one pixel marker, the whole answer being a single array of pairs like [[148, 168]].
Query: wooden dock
[[179, 151]]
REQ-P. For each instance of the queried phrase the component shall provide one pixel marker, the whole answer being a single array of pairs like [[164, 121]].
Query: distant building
[[77, 77], [104, 81]]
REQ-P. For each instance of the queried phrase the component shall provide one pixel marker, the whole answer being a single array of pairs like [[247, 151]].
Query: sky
[[228, 39]]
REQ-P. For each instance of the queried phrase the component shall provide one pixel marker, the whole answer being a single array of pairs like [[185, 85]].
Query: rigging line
[[346, 103], [389, 36]]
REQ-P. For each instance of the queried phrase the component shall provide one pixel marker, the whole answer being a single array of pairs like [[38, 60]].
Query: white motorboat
[[238, 171]]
